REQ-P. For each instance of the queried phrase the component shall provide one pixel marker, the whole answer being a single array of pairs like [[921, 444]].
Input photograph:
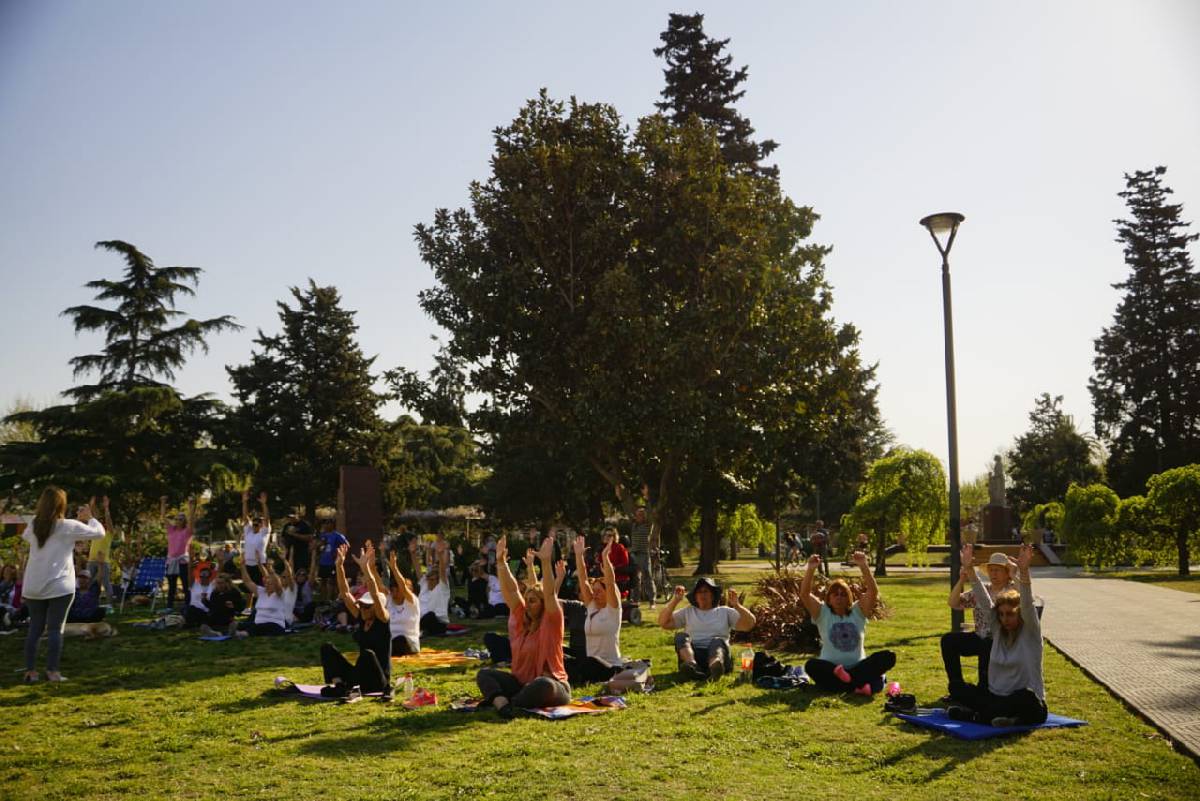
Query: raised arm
[[339, 565], [289, 574], [585, 591], [245, 507], [266, 513], [746, 619], [1025, 585], [366, 563], [560, 575], [610, 578], [247, 582], [811, 602], [399, 583], [866, 604], [666, 615], [983, 595], [531, 576], [508, 584], [549, 584], [964, 578]]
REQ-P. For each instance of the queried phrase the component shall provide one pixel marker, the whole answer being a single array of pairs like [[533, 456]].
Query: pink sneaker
[[841, 673], [864, 690]]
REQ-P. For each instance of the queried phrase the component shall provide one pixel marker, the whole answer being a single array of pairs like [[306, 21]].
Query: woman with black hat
[[373, 672], [703, 645]]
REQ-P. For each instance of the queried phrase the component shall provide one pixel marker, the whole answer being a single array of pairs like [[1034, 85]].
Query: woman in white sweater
[[49, 583]]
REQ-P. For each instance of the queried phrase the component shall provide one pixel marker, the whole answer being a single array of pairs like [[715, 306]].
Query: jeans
[[643, 585], [100, 572], [716, 649], [48, 615], [956, 645], [869, 671], [542, 691], [184, 577]]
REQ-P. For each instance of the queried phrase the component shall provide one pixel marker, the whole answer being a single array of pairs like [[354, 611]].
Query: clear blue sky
[[271, 142]]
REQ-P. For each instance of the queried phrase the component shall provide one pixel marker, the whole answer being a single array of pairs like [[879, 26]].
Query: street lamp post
[[946, 225]]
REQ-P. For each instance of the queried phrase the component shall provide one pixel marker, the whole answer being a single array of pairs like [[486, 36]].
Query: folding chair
[[147, 580]]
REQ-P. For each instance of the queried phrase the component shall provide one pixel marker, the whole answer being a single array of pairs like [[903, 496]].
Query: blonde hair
[[51, 507], [530, 591]]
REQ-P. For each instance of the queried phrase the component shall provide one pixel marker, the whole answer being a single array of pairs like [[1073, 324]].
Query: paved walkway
[[1140, 641]]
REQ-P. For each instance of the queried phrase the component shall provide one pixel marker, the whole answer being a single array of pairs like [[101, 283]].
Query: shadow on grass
[[389, 734], [942, 748]]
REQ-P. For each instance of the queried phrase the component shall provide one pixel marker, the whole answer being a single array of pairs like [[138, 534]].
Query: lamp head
[[942, 227]]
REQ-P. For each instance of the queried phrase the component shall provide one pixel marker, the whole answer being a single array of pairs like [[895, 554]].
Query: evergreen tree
[[1049, 457], [130, 434], [307, 403], [701, 82], [1146, 389]]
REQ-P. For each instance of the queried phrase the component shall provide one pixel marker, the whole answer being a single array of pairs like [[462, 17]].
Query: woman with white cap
[[373, 671], [957, 644]]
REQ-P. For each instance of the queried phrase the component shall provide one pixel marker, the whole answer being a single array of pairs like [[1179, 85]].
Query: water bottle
[[893, 689], [408, 685]]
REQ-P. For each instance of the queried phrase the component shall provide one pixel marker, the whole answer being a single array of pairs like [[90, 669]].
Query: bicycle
[[663, 588]]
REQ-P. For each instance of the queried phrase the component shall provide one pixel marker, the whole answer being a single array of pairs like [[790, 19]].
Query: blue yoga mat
[[217, 638], [938, 721]]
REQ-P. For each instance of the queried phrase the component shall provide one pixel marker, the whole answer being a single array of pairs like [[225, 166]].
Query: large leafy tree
[[129, 434], [1049, 457], [1146, 388], [1174, 496], [637, 299], [307, 403], [1089, 525], [904, 498], [701, 82]]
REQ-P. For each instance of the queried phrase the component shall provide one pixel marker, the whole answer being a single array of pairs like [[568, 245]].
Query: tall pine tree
[[701, 82], [130, 434], [306, 401], [1146, 389]]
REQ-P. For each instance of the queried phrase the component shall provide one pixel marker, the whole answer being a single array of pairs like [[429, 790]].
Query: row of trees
[[637, 315], [1144, 390]]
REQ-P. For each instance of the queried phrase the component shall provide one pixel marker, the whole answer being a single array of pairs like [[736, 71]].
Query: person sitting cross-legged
[[957, 644], [373, 671], [602, 624], [196, 612], [1015, 693], [703, 645], [270, 602], [535, 629], [843, 664], [404, 612], [224, 604]]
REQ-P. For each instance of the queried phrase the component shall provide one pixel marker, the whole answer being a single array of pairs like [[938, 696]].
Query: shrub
[[783, 622]]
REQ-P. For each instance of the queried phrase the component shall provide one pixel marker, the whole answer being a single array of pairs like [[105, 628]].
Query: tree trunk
[[1181, 541], [732, 547], [881, 557], [670, 538], [710, 538]]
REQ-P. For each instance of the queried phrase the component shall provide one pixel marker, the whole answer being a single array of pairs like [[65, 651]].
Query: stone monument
[[997, 515], [360, 506]]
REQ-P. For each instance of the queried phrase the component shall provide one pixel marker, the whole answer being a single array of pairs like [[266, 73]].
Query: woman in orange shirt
[[535, 630]]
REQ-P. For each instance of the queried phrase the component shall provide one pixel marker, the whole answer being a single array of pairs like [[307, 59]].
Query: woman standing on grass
[[49, 583], [535, 630], [842, 621], [1015, 693]]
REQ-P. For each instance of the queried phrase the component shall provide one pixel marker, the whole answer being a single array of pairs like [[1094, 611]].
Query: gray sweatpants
[[48, 615]]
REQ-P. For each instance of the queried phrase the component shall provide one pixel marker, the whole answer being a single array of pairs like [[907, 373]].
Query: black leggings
[[869, 671], [1023, 705], [498, 646], [368, 675], [542, 691], [94, 616], [263, 629], [193, 617], [403, 646], [184, 578], [956, 645], [588, 670], [432, 625]]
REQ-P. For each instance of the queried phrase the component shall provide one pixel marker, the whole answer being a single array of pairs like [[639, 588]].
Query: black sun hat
[[713, 586]]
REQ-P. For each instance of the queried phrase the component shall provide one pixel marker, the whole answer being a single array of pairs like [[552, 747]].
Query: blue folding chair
[[147, 580]]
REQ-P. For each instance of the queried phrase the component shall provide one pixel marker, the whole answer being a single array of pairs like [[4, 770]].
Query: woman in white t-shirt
[[270, 605], [435, 591], [703, 645], [602, 626], [48, 586], [256, 537], [404, 612]]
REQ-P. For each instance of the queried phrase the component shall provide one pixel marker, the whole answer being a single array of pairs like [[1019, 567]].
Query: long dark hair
[[51, 508]]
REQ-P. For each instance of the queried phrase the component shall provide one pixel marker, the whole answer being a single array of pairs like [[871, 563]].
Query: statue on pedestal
[[996, 489]]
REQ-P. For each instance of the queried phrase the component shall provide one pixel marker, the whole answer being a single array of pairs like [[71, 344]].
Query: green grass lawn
[[160, 715]]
